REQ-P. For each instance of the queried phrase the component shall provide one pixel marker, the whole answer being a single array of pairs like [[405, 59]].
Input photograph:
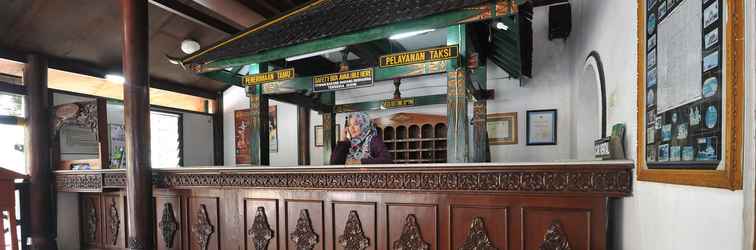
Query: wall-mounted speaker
[[560, 21]]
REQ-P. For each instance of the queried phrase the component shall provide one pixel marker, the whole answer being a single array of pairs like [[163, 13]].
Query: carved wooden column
[[457, 133], [259, 142], [137, 124], [329, 136], [303, 135], [42, 216]]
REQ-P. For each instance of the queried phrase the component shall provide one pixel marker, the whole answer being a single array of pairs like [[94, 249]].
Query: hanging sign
[[420, 56], [262, 78], [343, 80]]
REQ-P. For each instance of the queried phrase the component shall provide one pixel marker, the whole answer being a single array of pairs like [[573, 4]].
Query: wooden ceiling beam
[[263, 7], [89, 69], [194, 15], [539, 3]]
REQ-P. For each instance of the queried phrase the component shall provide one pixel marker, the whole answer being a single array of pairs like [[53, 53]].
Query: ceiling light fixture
[[294, 58], [189, 46], [114, 78], [410, 34], [501, 26]]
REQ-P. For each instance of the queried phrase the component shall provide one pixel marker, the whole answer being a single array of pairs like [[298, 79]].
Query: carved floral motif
[[411, 238], [260, 231], [168, 225], [115, 222], [304, 236], [477, 237], [91, 221], [353, 237], [203, 228], [555, 238]]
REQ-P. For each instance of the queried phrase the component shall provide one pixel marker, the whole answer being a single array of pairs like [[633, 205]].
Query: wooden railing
[[441, 206]]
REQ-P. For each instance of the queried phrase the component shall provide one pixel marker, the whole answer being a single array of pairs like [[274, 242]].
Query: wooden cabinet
[[414, 138], [449, 206]]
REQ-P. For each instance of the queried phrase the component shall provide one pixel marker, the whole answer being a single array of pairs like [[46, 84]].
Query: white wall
[[657, 216]]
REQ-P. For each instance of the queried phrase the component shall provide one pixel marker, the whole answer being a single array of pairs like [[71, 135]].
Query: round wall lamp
[[189, 46]]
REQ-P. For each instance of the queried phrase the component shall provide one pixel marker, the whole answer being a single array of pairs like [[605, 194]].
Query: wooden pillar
[[140, 214], [458, 127], [329, 136], [218, 130], [259, 141], [303, 135], [478, 74], [38, 159]]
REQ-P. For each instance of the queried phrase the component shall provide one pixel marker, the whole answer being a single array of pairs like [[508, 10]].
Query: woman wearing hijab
[[360, 143]]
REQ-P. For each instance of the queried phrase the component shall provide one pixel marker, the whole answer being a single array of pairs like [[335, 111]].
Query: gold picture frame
[[729, 175], [502, 128]]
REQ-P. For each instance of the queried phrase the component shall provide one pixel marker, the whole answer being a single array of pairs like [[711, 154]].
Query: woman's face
[[354, 127]]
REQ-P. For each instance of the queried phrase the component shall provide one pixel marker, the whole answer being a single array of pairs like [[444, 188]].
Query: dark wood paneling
[[575, 227], [406, 221], [356, 217], [261, 228], [204, 223], [305, 223], [494, 224], [169, 223], [90, 215], [114, 218]]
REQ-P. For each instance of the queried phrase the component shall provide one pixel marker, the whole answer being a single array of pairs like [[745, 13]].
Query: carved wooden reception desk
[[545, 206]]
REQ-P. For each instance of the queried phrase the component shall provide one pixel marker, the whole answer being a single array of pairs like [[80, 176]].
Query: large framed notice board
[[690, 92]]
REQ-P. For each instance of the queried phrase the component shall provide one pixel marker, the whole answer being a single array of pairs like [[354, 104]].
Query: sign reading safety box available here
[[343, 80]]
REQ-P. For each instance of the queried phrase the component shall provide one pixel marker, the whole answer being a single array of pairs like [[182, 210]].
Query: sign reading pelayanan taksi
[[343, 80], [262, 78], [420, 56]]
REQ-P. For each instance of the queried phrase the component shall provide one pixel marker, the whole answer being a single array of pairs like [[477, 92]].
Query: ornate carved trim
[[203, 228], [168, 225], [134, 243], [78, 183], [260, 231], [115, 222], [411, 238], [304, 236], [91, 221], [477, 238], [555, 238], [353, 237], [609, 180]]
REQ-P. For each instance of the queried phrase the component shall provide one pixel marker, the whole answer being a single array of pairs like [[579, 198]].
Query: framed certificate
[[502, 128], [542, 127]]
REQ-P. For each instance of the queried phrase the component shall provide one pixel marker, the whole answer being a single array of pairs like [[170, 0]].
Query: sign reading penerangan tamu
[[343, 80]]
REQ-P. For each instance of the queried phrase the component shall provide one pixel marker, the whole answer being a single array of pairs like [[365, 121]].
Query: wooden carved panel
[[91, 219], [113, 214], [412, 226], [204, 226], [168, 214], [305, 226], [555, 238], [479, 226], [354, 224], [261, 224], [556, 229]]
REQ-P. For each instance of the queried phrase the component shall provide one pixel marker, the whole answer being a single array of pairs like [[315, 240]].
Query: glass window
[[11, 105], [165, 139], [12, 155]]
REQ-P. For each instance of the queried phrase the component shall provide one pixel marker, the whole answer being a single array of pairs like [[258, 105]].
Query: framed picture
[[319, 134], [273, 128], [502, 128], [700, 90], [242, 133], [541, 127]]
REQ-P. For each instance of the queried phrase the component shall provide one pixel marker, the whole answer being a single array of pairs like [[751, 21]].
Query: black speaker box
[[560, 21]]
